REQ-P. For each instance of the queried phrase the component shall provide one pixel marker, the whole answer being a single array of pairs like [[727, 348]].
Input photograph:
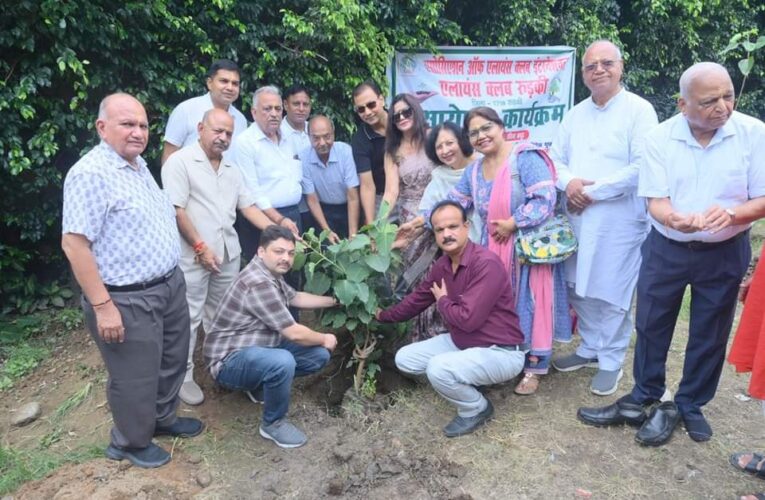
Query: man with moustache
[[223, 89], [330, 181], [206, 189], [294, 129], [703, 176], [484, 343], [256, 346], [120, 237], [597, 153]]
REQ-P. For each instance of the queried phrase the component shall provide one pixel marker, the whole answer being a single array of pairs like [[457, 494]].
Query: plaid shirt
[[253, 311]]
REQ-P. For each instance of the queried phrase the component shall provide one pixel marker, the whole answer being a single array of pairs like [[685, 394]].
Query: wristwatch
[[732, 214]]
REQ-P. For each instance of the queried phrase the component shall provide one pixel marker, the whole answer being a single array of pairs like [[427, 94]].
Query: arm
[[168, 149], [412, 305], [256, 217], [108, 317], [305, 300], [281, 220], [204, 254], [353, 210], [661, 210], [391, 181], [470, 309], [315, 207], [367, 193], [301, 334]]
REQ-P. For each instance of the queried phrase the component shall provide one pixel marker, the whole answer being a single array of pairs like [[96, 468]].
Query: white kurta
[[604, 145]]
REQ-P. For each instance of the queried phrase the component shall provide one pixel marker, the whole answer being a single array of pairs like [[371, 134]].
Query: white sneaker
[[191, 394]]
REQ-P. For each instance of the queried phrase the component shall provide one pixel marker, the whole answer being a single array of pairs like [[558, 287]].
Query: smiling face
[[602, 71], [370, 107], [298, 107], [450, 230], [448, 149], [403, 116], [267, 112], [278, 256], [223, 87], [709, 101], [485, 135], [123, 125]]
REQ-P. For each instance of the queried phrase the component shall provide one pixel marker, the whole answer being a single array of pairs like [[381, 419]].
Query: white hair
[[608, 42], [696, 71], [266, 89]]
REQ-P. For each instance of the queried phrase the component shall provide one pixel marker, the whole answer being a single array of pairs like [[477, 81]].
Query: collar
[[198, 155], [681, 131], [466, 256], [116, 161], [313, 157], [286, 128], [609, 102], [261, 136], [370, 133]]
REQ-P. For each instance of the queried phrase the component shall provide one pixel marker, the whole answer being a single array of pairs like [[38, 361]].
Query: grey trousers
[[147, 369]]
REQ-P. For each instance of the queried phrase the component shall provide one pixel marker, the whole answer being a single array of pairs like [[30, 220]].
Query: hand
[[438, 291], [571, 209], [716, 219], [329, 341], [575, 193], [503, 229], [290, 224], [333, 237], [743, 289], [685, 223], [209, 260], [109, 323], [406, 233]]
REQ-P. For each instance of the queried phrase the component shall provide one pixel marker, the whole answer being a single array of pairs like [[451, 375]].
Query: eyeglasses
[[483, 129], [371, 105], [402, 115], [605, 64]]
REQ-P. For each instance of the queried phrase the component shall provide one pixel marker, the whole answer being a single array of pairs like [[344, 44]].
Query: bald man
[[330, 181], [206, 189], [703, 176], [120, 236], [597, 153]]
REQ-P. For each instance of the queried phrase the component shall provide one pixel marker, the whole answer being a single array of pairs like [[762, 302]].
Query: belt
[[516, 347], [141, 286], [704, 245]]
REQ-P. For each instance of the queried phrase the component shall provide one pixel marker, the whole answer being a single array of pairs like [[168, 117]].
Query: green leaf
[[362, 291], [357, 272], [731, 46], [745, 65], [319, 284], [339, 321], [359, 242], [759, 43], [300, 259], [378, 262], [345, 291], [351, 324]]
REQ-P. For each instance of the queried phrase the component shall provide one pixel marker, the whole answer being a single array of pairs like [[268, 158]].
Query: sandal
[[752, 466], [528, 384], [758, 496]]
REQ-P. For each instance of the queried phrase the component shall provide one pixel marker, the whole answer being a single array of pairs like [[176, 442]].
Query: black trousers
[[714, 273], [337, 218]]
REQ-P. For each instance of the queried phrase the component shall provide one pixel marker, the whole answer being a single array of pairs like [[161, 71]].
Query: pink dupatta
[[540, 276]]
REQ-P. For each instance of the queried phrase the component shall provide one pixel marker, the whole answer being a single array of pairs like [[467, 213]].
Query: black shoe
[[623, 411], [697, 427], [183, 427], [150, 457], [658, 428], [461, 425]]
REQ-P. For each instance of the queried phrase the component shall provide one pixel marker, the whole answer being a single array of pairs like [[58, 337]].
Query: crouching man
[[484, 344], [255, 345]]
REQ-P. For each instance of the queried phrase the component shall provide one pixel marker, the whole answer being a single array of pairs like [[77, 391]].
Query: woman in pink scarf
[[512, 187]]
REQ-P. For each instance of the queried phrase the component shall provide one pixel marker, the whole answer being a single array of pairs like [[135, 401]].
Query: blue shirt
[[330, 182], [129, 221]]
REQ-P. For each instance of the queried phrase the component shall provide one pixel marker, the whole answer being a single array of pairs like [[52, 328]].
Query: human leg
[[197, 284], [414, 358], [308, 359]]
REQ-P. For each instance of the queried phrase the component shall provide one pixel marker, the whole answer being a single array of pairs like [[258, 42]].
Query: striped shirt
[[253, 312]]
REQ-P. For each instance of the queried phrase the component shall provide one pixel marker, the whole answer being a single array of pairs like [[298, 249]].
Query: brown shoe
[[528, 384]]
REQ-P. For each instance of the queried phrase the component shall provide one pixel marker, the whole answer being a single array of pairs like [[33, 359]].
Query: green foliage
[[19, 466], [743, 42]]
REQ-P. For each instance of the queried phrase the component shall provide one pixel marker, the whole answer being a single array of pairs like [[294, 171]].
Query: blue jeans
[[273, 368]]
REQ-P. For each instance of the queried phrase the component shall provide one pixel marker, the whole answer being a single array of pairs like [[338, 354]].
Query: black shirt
[[369, 154]]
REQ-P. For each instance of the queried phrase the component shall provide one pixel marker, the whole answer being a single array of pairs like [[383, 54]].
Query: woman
[[407, 173], [512, 187], [368, 144]]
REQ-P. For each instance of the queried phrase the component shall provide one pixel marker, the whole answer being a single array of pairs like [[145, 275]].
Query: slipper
[[758, 496], [751, 466], [528, 385]]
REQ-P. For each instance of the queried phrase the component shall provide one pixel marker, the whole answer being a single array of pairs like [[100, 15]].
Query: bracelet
[[199, 247], [102, 303]]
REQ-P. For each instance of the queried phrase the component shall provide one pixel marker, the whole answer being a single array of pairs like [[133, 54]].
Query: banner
[[531, 88]]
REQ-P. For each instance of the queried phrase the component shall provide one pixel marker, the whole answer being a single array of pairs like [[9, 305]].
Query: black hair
[[295, 89], [393, 135], [273, 233], [448, 203], [462, 140], [370, 84], [225, 65], [484, 112]]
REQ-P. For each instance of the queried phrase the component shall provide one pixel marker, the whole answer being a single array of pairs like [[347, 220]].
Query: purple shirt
[[478, 309]]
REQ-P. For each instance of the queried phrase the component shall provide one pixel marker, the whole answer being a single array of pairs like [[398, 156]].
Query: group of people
[[655, 208]]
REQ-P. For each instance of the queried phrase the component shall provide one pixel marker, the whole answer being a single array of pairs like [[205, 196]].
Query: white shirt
[[604, 144], [297, 139], [728, 172], [272, 171], [181, 127]]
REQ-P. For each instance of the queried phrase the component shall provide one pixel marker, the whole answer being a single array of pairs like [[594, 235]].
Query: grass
[[20, 466], [61, 412]]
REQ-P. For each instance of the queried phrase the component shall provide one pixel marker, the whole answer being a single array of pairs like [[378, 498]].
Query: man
[[206, 190], [596, 153], [484, 345], [256, 346], [270, 167], [368, 145], [330, 181], [223, 89], [120, 237], [703, 175]]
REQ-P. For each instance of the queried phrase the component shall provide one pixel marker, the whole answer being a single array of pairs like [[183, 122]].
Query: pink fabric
[[540, 276]]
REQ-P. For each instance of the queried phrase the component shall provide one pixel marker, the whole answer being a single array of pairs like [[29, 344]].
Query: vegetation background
[[59, 59]]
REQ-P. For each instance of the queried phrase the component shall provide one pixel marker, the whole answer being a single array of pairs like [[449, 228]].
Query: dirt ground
[[533, 448]]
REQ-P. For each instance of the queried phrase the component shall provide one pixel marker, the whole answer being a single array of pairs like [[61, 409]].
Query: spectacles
[[371, 105], [402, 115], [483, 129], [605, 64]]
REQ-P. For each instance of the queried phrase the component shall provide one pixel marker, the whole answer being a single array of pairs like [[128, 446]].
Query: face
[[602, 70], [709, 102], [369, 106], [224, 87], [450, 230], [448, 149], [322, 137], [215, 133], [298, 107], [125, 127], [403, 116], [267, 112], [278, 256], [485, 136]]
